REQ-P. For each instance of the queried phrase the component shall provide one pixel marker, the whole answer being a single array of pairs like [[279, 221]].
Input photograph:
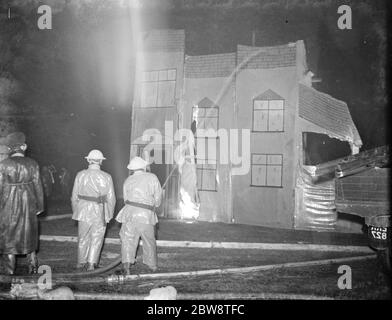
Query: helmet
[[15, 139], [137, 163], [95, 155]]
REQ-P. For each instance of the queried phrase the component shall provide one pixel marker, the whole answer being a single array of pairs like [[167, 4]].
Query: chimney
[[308, 79]]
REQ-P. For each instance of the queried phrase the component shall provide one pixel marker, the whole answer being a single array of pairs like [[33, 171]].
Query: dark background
[[70, 88]]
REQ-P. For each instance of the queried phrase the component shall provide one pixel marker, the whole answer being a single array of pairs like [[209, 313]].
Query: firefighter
[[21, 200], [48, 181], [93, 201], [64, 179], [142, 195]]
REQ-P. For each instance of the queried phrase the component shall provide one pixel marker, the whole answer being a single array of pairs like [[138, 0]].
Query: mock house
[[263, 100]]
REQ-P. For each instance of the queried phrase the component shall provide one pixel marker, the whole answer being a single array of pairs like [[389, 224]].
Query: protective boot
[[152, 268], [33, 263], [10, 263], [126, 269], [81, 266], [90, 266]]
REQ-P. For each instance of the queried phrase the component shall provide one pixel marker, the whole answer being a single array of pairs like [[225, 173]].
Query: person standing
[[142, 195], [47, 181], [93, 201], [64, 179], [21, 200]]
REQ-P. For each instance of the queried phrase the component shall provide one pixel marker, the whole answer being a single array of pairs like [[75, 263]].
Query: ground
[[369, 281]]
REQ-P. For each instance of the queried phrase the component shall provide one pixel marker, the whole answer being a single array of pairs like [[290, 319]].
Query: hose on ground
[[66, 277], [61, 277]]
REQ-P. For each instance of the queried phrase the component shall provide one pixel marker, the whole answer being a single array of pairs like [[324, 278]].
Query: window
[[140, 150], [206, 116], [206, 166], [158, 88], [266, 170], [154, 153], [206, 175], [268, 112]]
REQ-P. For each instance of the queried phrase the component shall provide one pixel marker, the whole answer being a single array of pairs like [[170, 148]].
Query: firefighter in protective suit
[[142, 195], [93, 202], [21, 200]]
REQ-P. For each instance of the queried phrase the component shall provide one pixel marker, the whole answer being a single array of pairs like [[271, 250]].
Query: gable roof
[[329, 113], [269, 95], [209, 66], [266, 57], [163, 40], [206, 103]]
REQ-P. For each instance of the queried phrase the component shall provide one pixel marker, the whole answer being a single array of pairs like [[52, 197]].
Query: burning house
[[284, 128]]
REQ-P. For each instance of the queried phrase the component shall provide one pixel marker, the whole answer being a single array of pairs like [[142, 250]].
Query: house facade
[[265, 96]]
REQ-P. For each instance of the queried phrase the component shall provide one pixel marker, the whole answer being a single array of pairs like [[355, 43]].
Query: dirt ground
[[369, 281], [178, 230]]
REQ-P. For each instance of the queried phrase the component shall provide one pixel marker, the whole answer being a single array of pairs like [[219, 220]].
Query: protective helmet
[[137, 163], [15, 139], [95, 155]]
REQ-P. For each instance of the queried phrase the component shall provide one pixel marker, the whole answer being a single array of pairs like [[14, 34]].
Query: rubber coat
[[21, 199], [141, 187], [93, 182]]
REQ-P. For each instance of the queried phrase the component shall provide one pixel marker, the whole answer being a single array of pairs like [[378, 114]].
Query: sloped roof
[[328, 113], [269, 95], [206, 103], [209, 66], [266, 57], [163, 40]]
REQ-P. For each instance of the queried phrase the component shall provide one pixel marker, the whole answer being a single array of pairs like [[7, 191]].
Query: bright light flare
[[188, 209]]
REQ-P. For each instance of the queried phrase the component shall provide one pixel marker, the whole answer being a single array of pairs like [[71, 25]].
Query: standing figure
[[93, 202], [142, 195], [21, 200], [48, 173], [47, 181], [64, 179]]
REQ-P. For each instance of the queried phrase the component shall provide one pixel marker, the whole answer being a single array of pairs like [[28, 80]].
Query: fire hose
[[65, 277]]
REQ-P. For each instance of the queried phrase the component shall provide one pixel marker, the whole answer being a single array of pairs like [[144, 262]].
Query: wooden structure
[[266, 94]]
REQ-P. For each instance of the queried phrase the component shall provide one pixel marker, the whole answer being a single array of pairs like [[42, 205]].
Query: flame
[[188, 209]]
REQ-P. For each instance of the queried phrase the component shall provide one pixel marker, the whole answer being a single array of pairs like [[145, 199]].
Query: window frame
[[210, 117], [268, 117], [266, 169], [158, 82], [202, 169]]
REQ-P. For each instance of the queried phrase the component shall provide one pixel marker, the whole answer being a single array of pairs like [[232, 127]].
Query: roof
[[164, 40], [206, 103], [266, 57], [329, 113], [209, 66], [269, 95]]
